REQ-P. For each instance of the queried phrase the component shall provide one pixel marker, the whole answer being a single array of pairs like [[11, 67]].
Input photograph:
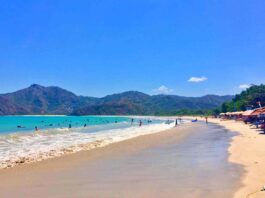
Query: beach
[[190, 161], [57, 136], [247, 149], [132, 99]]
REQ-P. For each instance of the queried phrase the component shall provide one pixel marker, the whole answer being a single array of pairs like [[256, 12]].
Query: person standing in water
[[176, 122], [36, 128], [140, 123], [70, 126], [132, 120]]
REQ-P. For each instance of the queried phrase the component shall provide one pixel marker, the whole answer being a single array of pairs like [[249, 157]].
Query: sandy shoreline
[[106, 168], [33, 175], [247, 149]]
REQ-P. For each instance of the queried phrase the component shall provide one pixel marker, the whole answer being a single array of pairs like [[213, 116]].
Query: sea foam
[[18, 148]]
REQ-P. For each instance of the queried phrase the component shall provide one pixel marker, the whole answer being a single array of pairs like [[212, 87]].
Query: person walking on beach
[[176, 122], [206, 120]]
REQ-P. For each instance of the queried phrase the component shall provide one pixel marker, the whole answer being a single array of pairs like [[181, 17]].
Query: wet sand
[[248, 150], [188, 161]]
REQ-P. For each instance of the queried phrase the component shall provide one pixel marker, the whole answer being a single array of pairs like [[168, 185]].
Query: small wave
[[31, 147]]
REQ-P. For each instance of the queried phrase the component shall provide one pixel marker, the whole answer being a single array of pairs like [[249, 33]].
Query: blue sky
[[99, 47]]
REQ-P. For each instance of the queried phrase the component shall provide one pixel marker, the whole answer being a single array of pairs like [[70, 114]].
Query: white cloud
[[244, 86], [197, 79], [163, 90]]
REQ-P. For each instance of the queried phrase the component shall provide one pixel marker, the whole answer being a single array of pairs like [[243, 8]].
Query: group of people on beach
[[176, 121], [140, 123], [85, 125]]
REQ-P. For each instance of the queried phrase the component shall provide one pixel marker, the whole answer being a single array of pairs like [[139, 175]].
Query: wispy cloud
[[244, 86], [197, 79], [163, 90]]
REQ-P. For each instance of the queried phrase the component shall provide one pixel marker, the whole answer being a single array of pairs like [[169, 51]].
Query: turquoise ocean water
[[9, 124], [21, 143]]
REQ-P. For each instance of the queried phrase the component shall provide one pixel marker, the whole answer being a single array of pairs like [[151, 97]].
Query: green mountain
[[250, 98], [132, 102], [38, 99]]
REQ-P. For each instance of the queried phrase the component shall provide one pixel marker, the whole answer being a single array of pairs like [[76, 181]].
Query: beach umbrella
[[238, 113], [258, 111], [247, 113]]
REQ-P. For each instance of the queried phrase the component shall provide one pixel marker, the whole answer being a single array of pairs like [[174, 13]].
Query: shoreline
[[246, 149], [90, 141], [28, 173], [71, 169]]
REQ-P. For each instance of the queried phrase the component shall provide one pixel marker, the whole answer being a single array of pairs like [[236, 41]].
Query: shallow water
[[9, 124], [23, 145]]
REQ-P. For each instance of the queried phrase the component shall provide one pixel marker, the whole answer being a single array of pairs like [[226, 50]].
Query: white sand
[[247, 149]]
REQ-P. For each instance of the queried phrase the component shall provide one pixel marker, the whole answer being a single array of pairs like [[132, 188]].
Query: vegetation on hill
[[137, 103], [38, 99], [248, 99], [42, 100]]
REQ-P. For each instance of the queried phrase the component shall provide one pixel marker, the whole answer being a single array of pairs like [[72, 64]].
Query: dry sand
[[247, 149]]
